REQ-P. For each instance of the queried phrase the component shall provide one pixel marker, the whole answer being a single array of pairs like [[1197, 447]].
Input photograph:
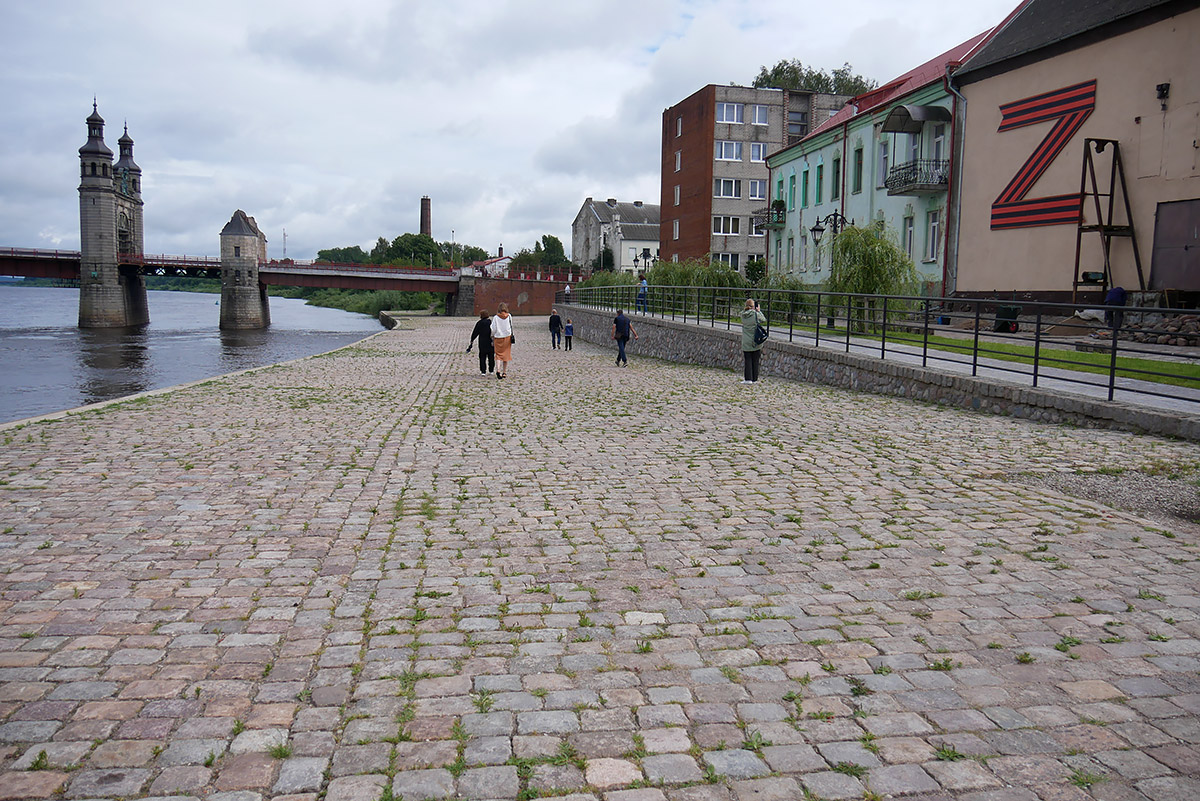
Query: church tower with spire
[[112, 293]]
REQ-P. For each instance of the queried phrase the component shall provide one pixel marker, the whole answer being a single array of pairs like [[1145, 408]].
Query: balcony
[[768, 217], [921, 177]]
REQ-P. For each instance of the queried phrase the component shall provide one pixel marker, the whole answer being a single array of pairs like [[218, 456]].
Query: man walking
[[556, 327], [621, 331]]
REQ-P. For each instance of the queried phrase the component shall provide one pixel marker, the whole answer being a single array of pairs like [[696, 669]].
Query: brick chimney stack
[[426, 217]]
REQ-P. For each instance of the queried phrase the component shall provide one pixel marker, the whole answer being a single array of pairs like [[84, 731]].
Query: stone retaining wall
[[717, 347]]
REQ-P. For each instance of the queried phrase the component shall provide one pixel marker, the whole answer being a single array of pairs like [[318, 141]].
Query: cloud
[[331, 121]]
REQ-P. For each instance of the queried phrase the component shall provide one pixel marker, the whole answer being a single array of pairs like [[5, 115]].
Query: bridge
[[64, 265]]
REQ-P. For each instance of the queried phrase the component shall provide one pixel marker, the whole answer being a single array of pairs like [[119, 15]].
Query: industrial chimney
[[426, 217]]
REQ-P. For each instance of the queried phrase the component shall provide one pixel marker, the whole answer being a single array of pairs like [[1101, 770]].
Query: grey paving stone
[[671, 769], [736, 764], [300, 775], [366, 787], [897, 780]]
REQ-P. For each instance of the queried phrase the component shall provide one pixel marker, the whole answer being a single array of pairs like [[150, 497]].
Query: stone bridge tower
[[243, 297], [112, 294]]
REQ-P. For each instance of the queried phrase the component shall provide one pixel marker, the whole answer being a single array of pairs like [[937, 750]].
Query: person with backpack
[[752, 322], [621, 331]]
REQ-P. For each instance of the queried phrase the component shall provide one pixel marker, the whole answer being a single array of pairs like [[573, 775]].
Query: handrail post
[[817, 324], [1112, 362], [1037, 345], [925, 338], [791, 314], [883, 333], [975, 345], [849, 312], [712, 321]]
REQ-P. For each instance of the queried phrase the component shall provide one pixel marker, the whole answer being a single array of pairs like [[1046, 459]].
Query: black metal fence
[[1147, 354]]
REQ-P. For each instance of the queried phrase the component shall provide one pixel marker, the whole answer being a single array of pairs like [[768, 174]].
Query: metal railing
[[919, 174], [1148, 355]]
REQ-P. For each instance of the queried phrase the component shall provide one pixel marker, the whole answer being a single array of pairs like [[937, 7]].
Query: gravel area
[[1168, 496]]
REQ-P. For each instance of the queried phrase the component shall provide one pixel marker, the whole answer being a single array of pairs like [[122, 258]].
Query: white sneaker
[[744, 381]]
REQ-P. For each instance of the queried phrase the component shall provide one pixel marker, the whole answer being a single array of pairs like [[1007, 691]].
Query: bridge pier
[[462, 302], [110, 222], [244, 301]]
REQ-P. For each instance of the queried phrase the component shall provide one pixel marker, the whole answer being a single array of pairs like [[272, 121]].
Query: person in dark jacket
[[621, 331], [487, 354], [556, 327]]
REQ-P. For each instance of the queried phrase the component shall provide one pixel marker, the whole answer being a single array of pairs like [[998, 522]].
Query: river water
[[47, 363]]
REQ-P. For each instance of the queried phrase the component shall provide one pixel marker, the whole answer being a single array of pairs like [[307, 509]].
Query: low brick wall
[[716, 347]]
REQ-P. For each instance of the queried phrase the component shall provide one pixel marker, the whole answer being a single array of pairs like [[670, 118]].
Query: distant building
[[1059, 90], [631, 230], [714, 166], [885, 156]]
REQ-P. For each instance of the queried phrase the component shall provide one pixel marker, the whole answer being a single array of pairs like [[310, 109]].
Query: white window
[[679, 126], [728, 151], [727, 258], [632, 254], [758, 151], [938, 149], [933, 232], [678, 160], [676, 194], [727, 226], [756, 229], [803, 248], [758, 115], [730, 112], [758, 189], [883, 161], [674, 229], [675, 257], [908, 234], [791, 262], [727, 187]]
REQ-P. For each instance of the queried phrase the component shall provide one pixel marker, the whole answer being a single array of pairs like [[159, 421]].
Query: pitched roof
[[914, 79], [1058, 26], [639, 230], [241, 225], [630, 212]]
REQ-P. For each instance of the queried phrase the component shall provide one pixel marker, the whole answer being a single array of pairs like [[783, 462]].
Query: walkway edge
[[690, 343]]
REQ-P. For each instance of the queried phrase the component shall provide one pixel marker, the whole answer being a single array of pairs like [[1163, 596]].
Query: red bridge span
[[64, 265]]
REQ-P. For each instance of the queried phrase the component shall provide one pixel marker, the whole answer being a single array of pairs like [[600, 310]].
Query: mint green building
[[886, 155]]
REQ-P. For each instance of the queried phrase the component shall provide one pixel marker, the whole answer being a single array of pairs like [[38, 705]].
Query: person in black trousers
[[487, 353], [556, 327]]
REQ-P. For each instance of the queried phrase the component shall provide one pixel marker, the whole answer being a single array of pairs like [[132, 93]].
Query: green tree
[[756, 269], [553, 253], [348, 255], [604, 261], [415, 249], [527, 258], [868, 260], [792, 74]]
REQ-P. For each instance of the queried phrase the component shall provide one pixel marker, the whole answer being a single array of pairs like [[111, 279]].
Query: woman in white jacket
[[502, 340]]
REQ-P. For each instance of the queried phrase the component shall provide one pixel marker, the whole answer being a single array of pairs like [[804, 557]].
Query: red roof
[[914, 79]]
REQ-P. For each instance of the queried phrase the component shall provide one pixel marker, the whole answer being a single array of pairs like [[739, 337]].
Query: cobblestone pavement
[[376, 574]]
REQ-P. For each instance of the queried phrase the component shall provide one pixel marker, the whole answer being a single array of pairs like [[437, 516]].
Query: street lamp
[[836, 222]]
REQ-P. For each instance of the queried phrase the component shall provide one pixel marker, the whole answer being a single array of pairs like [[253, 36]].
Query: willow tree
[[868, 260]]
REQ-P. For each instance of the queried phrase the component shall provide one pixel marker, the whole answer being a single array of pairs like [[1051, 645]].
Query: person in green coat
[[752, 318]]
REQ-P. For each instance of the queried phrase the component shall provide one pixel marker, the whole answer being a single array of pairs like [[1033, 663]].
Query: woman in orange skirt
[[502, 340]]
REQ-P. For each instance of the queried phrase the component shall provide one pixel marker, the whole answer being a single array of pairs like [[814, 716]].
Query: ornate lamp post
[[836, 222]]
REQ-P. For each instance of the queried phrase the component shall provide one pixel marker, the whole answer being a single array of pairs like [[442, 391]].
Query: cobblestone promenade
[[375, 574]]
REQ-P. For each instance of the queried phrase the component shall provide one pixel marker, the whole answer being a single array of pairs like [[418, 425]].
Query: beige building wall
[[1160, 150]]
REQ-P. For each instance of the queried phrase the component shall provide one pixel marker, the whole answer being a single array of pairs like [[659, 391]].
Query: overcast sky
[[331, 120]]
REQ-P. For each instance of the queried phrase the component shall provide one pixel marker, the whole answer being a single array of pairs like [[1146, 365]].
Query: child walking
[[568, 332]]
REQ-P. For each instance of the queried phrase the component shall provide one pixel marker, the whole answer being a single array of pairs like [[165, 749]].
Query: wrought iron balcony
[[768, 217], [924, 176]]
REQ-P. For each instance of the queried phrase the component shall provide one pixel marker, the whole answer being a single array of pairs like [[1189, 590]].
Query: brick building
[[714, 166]]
